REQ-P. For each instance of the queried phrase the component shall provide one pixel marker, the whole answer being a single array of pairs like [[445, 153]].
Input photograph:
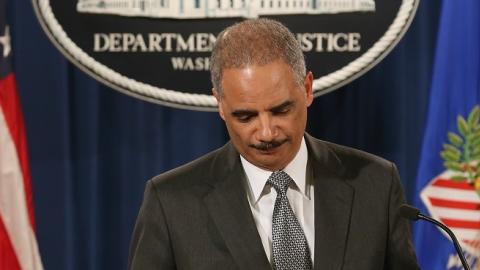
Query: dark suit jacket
[[198, 216]]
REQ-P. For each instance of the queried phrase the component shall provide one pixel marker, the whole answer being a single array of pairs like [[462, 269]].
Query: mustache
[[265, 146]]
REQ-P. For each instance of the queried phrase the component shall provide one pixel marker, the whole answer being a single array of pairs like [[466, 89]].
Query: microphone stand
[[452, 236]]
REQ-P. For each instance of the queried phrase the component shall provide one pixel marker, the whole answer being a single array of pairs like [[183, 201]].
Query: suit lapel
[[333, 203], [229, 208]]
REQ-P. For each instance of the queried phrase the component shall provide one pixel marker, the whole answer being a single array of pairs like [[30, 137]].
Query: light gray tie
[[290, 248]]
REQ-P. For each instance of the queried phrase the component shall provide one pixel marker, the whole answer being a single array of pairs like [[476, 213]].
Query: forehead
[[266, 84]]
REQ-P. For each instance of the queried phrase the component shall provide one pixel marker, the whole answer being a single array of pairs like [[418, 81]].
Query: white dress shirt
[[300, 195]]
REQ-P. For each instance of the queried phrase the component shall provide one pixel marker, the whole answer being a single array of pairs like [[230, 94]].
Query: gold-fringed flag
[[448, 180]]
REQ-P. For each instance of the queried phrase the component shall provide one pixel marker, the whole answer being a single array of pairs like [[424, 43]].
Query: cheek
[[301, 117], [234, 130], [243, 133], [295, 125]]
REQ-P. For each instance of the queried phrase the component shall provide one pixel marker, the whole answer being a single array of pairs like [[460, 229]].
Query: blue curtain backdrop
[[92, 148]]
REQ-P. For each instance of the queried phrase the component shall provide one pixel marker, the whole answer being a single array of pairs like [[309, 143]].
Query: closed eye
[[243, 116], [283, 108], [283, 111]]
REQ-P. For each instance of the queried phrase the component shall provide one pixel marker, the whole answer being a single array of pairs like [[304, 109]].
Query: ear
[[219, 102], [308, 84]]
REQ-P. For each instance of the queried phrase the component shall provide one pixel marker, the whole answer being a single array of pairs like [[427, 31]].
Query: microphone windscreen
[[409, 212]]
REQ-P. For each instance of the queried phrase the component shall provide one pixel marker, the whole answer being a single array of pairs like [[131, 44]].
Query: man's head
[[258, 74], [255, 42]]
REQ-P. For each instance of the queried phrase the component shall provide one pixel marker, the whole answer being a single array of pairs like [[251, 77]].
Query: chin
[[272, 165]]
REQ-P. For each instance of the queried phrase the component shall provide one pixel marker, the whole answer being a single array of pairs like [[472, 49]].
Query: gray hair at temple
[[255, 42]]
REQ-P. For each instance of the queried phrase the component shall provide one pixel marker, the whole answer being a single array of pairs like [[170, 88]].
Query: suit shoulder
[[193, 172], [349, 162], [365, 172], [351, 155]]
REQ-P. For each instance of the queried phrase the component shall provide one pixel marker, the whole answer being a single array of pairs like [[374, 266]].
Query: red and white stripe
[[457, 205], [18, 244]]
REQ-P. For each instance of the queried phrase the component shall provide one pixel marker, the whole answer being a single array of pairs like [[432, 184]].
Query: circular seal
[[158, 50]]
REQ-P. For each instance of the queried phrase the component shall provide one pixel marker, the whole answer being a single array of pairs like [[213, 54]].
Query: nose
[[266, 131]]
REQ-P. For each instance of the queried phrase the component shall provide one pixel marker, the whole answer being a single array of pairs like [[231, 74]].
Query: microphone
[[412, 213]]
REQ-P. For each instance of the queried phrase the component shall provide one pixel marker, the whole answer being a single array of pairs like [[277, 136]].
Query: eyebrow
[[276, 108], [238, 113], [281, 107]]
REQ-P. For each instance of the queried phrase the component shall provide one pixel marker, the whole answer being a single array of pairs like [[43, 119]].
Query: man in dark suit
[[272, 197]]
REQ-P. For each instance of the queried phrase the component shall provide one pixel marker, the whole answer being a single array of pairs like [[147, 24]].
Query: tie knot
[[280, 181]]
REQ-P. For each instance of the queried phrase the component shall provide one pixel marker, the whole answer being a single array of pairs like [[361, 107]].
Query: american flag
[[18, 244]]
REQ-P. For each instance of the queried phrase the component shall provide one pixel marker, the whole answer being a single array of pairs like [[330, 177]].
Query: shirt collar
[[257, 177]]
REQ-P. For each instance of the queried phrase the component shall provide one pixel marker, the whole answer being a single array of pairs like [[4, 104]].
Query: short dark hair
[[255, 42]]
